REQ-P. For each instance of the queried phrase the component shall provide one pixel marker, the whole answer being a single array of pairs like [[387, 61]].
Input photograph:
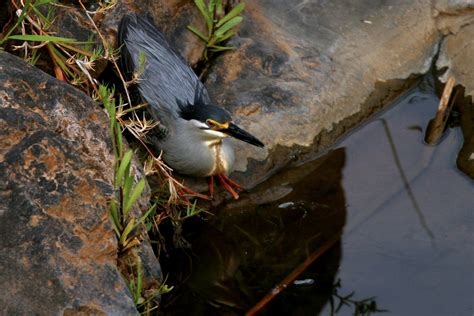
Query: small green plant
[[135, 283], [220, 27], [165, 288], [144, 300], [71, 60], [127, 193], [191, 210]]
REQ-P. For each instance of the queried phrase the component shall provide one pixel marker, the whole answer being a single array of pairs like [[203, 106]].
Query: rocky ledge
[[58, 250]]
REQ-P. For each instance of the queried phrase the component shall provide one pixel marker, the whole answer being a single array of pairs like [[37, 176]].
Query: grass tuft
[[220, 27]]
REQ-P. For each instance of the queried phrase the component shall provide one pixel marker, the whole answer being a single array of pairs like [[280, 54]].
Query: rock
[[451, 15], [172, 17], [59, 252], [453, 6], [71, 22], [456, 54], [302, 70], [456, 57], [174, 25]]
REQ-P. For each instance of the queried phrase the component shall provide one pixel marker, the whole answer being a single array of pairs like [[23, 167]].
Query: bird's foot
[[228, 184]]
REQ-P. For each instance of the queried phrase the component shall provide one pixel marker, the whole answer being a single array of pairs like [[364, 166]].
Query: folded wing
[[165, 81]]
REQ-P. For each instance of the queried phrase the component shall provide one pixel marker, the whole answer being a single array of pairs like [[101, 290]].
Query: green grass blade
[[136, 193], [226, 36], [128, 229], [47, 23], [61, 60], [198, 33], [151, 211], [148, 226], [139, 281], [227, 26], [212, 6], [119, 137], [232, 14], [205, 13], [117, 226], [219, 9], [127, 188], [34, 57], [41, 38], [216, 48], [104, 94], [42, 2], [131, 286], [123, 166], [190, 210]]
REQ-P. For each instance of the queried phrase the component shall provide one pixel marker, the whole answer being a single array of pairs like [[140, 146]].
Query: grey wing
[[167, 83]]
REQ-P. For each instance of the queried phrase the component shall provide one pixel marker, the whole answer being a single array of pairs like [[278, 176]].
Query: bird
[[197, 135]]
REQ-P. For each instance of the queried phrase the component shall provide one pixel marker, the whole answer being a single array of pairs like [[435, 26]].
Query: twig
[[77, 50], [436, 126], [294, 274]]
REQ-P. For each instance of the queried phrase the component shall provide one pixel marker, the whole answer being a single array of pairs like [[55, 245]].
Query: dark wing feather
[[126, 63], [167, 83]]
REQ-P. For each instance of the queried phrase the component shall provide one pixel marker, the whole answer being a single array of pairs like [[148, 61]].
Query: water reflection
[[407, 218], [361, 307], [409, 234], [404, 178], [241, 254]]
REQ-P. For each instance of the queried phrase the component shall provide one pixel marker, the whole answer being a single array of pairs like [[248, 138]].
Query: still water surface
[[411, 243], [405, 211]]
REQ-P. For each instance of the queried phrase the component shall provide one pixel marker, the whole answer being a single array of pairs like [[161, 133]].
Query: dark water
[[410, 244], [403, 211]]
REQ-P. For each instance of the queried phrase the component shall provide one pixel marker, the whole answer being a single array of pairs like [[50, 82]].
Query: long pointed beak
[[236, 132]]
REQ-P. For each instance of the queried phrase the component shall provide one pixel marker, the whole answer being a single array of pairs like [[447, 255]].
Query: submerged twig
[[294, 274], [436, 126]]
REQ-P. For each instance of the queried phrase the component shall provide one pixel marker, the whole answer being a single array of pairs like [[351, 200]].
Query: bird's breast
[[222, 156], [198, 158]]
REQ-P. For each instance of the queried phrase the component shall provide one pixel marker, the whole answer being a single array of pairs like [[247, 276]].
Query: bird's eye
[[211, 123], [216, 125]]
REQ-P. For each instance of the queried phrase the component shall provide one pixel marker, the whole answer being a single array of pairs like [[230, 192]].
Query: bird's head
[[216, 123]]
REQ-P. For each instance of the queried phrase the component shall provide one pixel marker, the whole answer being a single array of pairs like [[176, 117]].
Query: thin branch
[[294, 274]]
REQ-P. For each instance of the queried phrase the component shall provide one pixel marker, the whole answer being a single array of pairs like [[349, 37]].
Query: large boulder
[[456, 55], [304, 73], [456, 52], [58, 250]]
